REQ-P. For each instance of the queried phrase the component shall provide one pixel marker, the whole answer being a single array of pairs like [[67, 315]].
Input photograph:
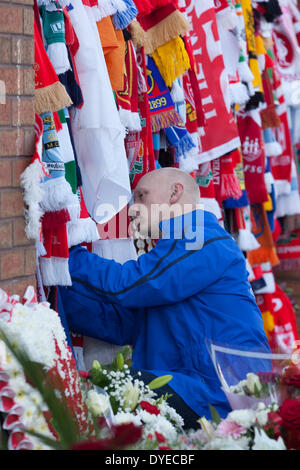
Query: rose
[[290, 414], [152, 409], [291, 376], [253, 383]]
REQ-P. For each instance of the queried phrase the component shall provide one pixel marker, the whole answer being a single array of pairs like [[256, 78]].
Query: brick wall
[[17, 253]]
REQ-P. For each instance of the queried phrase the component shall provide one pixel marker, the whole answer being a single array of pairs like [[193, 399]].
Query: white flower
[[262, 414], [131, 395], [228, 443], [97, 403], [245, 418], [263, 442], [253, 383]]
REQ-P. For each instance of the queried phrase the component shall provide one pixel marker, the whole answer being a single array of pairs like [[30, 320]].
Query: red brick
[[13, 79], [11, 19], [5, 113], [19, 286], [19, 235], [24, 2], [5, 50], [28, 81], [30, 261], [28, 18], [28, 142], [18, 166], [12, 264], [22, 51], [11, 142], [5, 173], [5, 235], [23, 112], [12, 204]]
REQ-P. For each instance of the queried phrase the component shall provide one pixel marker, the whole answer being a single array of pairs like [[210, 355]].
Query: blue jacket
[[168, 302]]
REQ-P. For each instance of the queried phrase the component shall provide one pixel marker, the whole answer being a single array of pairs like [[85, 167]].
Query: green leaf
[[214, 414], [120, 361], [160, 381]]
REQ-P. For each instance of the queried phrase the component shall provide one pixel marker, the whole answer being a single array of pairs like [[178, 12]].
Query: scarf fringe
[[183, 147], [269, 181], [55, 271], [230, 187], [169, 28], [238, 93], [51, 98], [82, 230], [58, 195], [119, 5], [122, 19], [282, 187], [211, 205], [33, 194], [244, 72], [58, 56], [269, 118], [165, 119], [288, 204], [172, 60], [130, 120], [246, 240], [273, 149]]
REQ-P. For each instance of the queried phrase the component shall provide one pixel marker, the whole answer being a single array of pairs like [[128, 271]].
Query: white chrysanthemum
[[157, 423], [228, 443], [97, 403], [264, 442], [123, 418], [165, 409], [245, 418]]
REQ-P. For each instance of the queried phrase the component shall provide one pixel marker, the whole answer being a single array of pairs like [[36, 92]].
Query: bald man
[[191, 288]]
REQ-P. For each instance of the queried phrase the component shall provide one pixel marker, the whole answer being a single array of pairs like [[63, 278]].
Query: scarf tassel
[[55, 271], [164, 120], [183, 146], [247, 241], [122, 19], [172, 60], [58, 195], [82, 230], [169, 28], [33, 194], [269, 118], [238, 93], [244, 71], [130, 120], [273, 149], [230, 187], [51, 98]]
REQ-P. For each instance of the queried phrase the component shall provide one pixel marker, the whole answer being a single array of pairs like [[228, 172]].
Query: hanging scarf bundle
[[50, 94], [162, 110], [231, 203], [212, 82], [123, 18], [54, 34], [113, 46], [158, 28], [127, 99], [172, 60], [205, 181], [279, 321], [253, 152], [261, 230], [288, 250]]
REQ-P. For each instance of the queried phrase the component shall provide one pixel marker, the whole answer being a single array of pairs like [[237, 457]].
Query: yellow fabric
[[268, 322], [260, 48], [268, 205], [172, 60]]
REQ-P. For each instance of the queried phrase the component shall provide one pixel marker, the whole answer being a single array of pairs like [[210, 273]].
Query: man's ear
[[176, 192]]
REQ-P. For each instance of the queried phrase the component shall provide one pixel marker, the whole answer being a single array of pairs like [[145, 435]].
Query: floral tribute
[[46, 403]]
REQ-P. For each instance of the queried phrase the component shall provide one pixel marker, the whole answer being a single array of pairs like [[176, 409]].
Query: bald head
[[161, 194]]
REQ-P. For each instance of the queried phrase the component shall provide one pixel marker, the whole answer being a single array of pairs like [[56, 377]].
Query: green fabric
[[70, 175], [53, 25]]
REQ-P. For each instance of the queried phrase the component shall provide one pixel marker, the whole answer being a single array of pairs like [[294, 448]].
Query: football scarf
[[50, 94], [212, 81], [261, 230], [231, 203], [205, 181], [253, 152], [288, 250], [162, 111]]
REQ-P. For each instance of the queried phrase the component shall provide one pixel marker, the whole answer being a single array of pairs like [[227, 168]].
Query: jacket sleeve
[[167, 274], [93, 317]]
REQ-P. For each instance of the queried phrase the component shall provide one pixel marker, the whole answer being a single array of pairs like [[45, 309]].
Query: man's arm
[[90, 316], [167, 274]]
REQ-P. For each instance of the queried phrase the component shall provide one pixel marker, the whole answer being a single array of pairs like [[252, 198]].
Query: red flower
[[274, 423], [291, 376], [84, 374], [290, 414], [152, 409], [123, 435], [160, 437], [149, 436], [165, 448]]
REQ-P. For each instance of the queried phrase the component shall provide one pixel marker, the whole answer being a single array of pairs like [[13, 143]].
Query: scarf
[[54, 34], [249, 126], [269, 116], [122, 18], [162, 111], [279, 321], [212, 82], [225, 181], [158, 28], [113, 46], [97, 130], [205, 181], [261, 230], [50, 94], [288, 250], [127, 99], [230, 203], [289, 203]]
